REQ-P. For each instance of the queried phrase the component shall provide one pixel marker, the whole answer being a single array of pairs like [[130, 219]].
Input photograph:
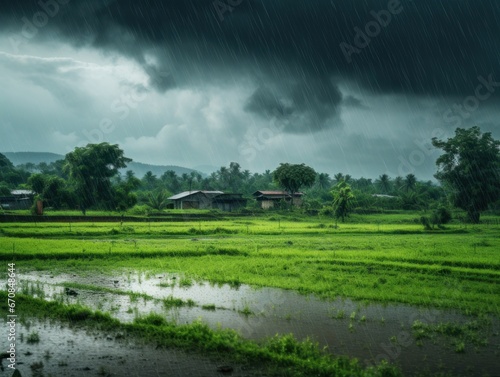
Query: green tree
[[343, 199], [323, 181], [469, 169], [9, 174], [90, 170], [338, 177], [383, 184], [158, 199], [37, 182], [4, 190], [149, 181], [171, 181], [409, 183], [293, 177], [131, 181]]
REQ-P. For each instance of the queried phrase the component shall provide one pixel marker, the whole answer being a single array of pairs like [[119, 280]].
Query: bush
[[441, 216], [140, 210], [326, 211], [424, 220]]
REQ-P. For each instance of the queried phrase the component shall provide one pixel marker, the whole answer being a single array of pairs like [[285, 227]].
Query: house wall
[[229, 206], [195, 201], [14, 203], [266, 204], [270, 203]]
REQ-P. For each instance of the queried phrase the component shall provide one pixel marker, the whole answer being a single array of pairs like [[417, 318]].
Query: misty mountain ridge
[[139, 168]]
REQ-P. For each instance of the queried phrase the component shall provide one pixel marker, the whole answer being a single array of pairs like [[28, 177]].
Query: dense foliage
[[95, 177], [470, 170]]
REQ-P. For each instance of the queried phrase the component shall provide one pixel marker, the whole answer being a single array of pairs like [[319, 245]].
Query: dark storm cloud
[[312, 102], [351, 101], [429, 47]]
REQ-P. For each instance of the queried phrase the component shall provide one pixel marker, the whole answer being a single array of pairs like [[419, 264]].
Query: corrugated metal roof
[[22, 192], [188, 193], [275, 193]]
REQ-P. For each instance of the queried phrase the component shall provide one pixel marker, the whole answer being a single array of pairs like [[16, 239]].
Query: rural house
[[18, 199], [229, 202], [269, 199], [208, 200]]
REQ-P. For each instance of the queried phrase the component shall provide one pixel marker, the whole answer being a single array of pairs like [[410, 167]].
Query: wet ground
[[69, 351], [368, 332]]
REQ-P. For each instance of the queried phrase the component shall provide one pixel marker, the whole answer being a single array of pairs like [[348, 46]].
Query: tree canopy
[[469, 169], [292, 177], [90, 169], [343, 199]]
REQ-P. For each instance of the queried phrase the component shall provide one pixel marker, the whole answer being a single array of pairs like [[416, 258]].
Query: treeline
[[88, 178]]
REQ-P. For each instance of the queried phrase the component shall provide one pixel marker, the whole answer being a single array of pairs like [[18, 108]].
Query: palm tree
[[343, 199], [384, 183], [149, 180], [323, 180], [398, 184], [158, 199], [409, 183], [338, 177]]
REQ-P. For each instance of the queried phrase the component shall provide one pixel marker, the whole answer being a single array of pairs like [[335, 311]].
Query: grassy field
[[378, 259], [372, 258]]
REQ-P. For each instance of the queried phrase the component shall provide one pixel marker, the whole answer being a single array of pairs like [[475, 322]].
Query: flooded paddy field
[[49, 348], [428, 303], [402, 334]]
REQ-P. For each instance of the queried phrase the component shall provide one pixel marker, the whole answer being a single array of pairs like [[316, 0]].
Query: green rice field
[[371, 259]]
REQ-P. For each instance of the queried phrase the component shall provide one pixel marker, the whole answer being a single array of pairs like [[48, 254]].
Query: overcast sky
[[358, 87]]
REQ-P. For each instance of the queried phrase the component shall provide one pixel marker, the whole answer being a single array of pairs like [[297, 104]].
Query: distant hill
[[18, 158], [140, 169]]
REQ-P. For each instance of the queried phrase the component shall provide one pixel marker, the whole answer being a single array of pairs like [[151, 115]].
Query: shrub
[[424, 220], [152, 319], [140, 210], [441, 216], [326, 211]]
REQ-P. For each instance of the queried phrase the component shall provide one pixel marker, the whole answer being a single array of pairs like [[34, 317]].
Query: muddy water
[[368, 332], [73, 351]]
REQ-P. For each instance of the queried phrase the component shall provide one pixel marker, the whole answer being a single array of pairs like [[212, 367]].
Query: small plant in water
[[460, 347], [171, 302], [47, 355], [340, 314], [33, 338], [185, 282], [208, 307], [246, 311], [37, 367]]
